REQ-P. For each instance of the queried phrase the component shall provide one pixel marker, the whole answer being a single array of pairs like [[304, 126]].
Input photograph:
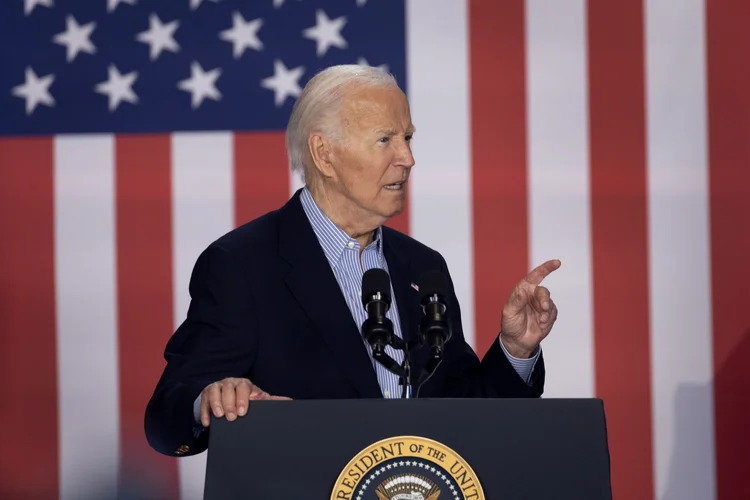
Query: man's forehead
[[374, 100], [381, 108]]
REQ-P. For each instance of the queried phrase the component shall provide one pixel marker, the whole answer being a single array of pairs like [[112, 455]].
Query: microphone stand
[[404, 369], [405, 380]]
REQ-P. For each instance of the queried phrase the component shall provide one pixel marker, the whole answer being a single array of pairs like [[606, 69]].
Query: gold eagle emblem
[[407, 487]]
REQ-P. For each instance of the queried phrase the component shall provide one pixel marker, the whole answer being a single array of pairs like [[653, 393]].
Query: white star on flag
[[35, 90], [194, 4], [361, 3], [159, 36], [28, 5], [76, 38], [326, 32], [201, 84], [284, 82], [118, 87], [362, 61], [112, 4], [243, 34]]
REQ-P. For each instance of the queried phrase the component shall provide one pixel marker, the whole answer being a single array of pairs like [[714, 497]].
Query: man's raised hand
[[529, 314]]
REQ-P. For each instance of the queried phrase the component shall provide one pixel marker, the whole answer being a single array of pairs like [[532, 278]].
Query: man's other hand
[[230, 397]]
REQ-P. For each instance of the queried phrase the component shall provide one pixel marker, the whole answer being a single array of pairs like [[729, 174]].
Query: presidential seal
[[407, 468]]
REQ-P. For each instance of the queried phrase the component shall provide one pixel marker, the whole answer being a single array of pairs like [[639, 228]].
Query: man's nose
[[404, 156]]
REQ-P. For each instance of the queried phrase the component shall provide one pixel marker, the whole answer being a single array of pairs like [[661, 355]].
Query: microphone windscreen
[[376, 280], [434, 282]]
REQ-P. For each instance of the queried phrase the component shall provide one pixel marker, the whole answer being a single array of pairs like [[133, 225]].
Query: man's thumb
[[517, 301]]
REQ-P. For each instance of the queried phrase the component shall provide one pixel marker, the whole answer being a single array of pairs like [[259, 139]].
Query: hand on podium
[[230, 397]]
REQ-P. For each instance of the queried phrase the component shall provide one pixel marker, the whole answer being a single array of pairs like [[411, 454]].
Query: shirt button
[[387, 394], [350, 244]]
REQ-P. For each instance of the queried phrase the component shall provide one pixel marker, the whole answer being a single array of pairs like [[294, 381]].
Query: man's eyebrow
[[392, 131], [385, 131]]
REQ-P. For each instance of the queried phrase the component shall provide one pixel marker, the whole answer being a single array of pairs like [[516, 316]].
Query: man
[[276, 308]]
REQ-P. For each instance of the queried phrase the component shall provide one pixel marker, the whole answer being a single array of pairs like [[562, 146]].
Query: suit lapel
[[313, 284]]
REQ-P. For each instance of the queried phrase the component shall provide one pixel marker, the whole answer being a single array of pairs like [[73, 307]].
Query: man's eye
[[408, 138], [384, 139]]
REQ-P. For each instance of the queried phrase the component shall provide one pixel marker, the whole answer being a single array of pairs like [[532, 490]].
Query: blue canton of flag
[[142, 66]]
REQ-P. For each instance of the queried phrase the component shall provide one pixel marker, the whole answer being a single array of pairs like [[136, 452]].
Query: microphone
[[376, 298], [434, 328]]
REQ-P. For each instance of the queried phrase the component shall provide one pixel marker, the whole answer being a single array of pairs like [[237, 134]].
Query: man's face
[[373, 161]]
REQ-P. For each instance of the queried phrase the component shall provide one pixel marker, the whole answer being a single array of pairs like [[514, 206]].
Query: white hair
[[317, 107]]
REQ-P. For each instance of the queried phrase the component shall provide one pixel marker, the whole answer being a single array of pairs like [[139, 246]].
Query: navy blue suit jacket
[[265, 305]]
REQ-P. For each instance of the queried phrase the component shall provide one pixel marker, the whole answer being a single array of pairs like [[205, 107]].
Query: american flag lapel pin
[[414, 286]]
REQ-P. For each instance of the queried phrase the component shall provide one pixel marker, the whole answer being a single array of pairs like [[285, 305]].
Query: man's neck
[[345, 219]]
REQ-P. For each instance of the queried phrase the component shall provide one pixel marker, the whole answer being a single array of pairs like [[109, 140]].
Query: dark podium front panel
[[419, 449]]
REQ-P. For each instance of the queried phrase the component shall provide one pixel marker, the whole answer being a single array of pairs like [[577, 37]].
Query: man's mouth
[[396, 186]]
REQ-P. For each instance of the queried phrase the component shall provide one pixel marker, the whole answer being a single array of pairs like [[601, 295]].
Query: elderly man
[[276, 310]]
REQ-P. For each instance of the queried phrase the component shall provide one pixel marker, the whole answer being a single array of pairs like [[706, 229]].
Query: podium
[[411, 449]]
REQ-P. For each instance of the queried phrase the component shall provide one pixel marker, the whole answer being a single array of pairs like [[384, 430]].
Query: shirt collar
[[331, 237]]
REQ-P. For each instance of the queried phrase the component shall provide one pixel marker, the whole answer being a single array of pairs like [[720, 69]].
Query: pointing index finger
[[540, 272]]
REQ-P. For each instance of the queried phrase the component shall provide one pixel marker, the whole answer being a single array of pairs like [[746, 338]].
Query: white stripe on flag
[[559, 213], [203, 210], [679, 257], [440, 183], [86, 314]]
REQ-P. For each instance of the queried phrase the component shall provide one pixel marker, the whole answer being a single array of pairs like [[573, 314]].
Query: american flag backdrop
[[611, 134]]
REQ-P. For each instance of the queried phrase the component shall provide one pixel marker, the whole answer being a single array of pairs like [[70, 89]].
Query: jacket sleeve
[[494, 376], [216, 340]]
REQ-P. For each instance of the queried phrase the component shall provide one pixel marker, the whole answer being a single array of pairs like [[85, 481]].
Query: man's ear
[[321, 154]]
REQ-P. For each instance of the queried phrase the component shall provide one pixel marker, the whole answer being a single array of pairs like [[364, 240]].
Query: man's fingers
[[541, 299], [243, 395], [547, 318], [540, 272], [518, 300], [228, 398], [205, 409], [214, 399], [257, 393]]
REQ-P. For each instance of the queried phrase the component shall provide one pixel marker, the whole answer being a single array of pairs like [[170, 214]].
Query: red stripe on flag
[[144, 286], [261, 178], [728, 68], [498, 133], [619, 236], [28, 356]]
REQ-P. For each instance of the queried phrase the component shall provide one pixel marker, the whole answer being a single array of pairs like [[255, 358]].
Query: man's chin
[[396, 209]]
